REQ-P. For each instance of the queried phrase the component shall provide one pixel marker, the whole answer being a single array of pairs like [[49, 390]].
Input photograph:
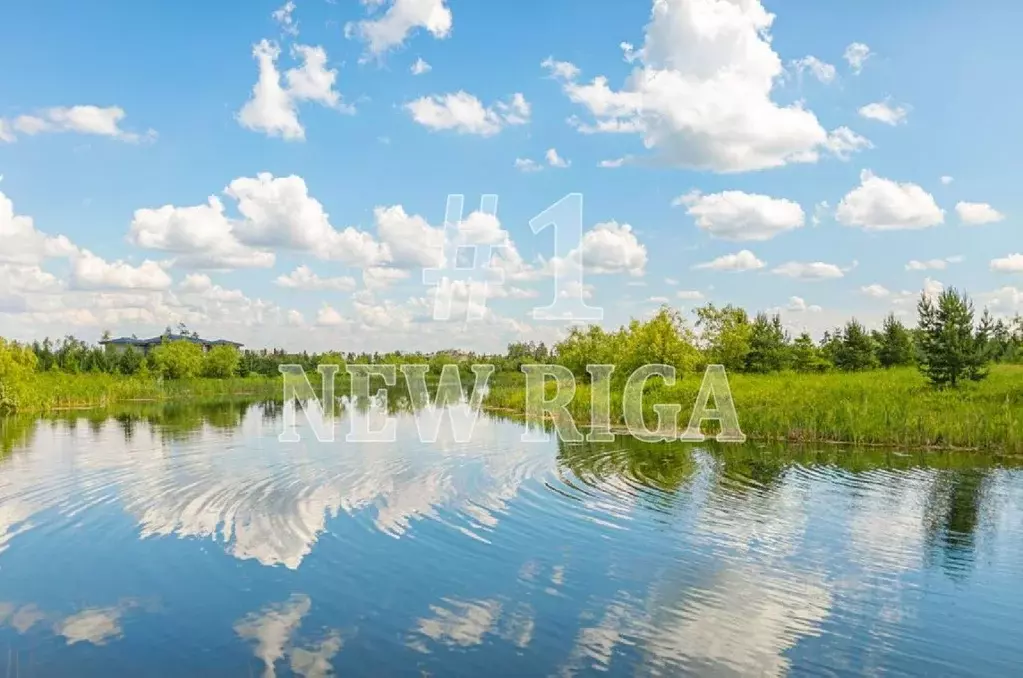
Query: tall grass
[[883, 407]]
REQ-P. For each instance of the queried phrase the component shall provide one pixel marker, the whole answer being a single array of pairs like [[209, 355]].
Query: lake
[[185, 540]]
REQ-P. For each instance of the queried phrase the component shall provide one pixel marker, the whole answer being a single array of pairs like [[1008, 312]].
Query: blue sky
[[716, 100]]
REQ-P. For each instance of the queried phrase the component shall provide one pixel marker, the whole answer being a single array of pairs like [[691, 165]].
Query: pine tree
[[950, 349], [895, 345], [806, 357], [856, 350], [768, 345]]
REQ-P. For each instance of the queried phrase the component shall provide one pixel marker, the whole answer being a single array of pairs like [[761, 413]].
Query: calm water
[[186, 541]]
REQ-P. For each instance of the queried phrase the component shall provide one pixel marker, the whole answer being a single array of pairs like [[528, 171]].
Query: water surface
[[187, 541]]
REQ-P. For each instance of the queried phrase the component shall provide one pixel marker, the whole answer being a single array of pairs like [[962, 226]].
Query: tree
[[855, 351], [725, 335], [129, 361], [769, 351], [806, 357], [177, 359], [895, 345], [950, 349], [220, 362]]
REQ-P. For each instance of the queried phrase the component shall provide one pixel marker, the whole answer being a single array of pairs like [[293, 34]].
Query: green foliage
[[725, 335], [130, 361], [854, 350], [17, 365], [220, 362], [894, 343], [768, 345], [177, 359], [807, 357], [950, 349]]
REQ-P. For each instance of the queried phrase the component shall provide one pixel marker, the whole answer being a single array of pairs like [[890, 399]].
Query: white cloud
[[659, 300], [809, 271], [978, 213], [409, 238], [611, 164], [279, 212], [282, 16], [465, 114], [270, 109], [875, 290], [303, 278], [689, 295], [857, 54], [946, 180], [196, 282], [527, 165], [420, 67], [378, 278], [734, 215], [22, 243], [201, 235], [328, 317], [743, 260], [295, 318], [799, 305], [843, 142], [97, 120], [701, 96], [821, 70], [313, 81], [932, 264], [555, 160], [90, 272], [882, 111], [670, 281], [402, 18], [879, 204], [1010, 264], [16, 278], [611, 247]]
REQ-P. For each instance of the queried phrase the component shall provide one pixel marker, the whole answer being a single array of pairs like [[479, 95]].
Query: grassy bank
[[883, 407], [50, 391]]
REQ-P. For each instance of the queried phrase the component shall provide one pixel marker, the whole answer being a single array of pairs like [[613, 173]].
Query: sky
[[278, 174]]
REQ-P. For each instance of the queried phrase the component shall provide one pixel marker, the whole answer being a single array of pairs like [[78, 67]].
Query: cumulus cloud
[[419, 67], [856, 54], [689, 295], [1010, 264], [463, 113], [735, 215], [883, 111], [303, 278], [743, 260], [402, 18], [22, 243], [90, 272], [272, 108], [611, 247], [283, 16], [816, 270], [700, 96], [946, 180], [821, 70], [875, 290], [978, 213], [799, 305], [555, 160], [879, 204], [96, 120], [932, 264], [527, 165], [328, 317]]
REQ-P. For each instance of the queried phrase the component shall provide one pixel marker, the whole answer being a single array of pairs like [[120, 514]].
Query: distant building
[[121, 344]]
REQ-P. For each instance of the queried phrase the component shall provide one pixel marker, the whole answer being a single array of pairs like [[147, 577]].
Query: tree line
[[947, 344]]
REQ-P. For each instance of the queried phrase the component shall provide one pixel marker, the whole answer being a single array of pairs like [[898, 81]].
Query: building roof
[[132, 341]]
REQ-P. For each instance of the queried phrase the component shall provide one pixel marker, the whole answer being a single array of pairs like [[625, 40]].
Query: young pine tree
[[768, 345], [895, 344], [950, 349], [856, 350]]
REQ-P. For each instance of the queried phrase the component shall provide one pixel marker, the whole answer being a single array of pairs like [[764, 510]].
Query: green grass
[[894, 408], [50, 391], [882, 407]]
